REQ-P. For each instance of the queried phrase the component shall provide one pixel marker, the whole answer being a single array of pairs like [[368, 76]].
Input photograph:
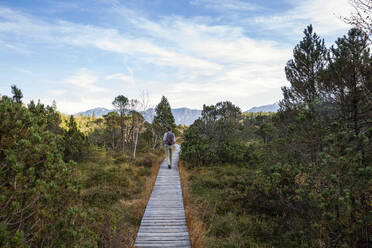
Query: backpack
[[170, 138]]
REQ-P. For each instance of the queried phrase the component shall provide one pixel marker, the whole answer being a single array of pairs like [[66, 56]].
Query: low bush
[[146, 160]]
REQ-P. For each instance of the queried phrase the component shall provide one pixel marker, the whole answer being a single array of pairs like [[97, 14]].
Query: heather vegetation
[[74, 181], [301, 177]]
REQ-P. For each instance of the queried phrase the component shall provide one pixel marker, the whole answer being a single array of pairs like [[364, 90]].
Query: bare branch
[[362, 17]]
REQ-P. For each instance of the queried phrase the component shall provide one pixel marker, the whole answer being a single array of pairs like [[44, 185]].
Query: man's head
[[169, 129]]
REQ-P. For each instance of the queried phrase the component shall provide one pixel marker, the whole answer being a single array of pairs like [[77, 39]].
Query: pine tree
[[76, 144], [121, 103], [163, 118], [350, 78], [17, 94], [304, 70], [112, 120]]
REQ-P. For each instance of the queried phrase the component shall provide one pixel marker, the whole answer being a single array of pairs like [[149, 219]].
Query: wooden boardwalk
[[164, 222]]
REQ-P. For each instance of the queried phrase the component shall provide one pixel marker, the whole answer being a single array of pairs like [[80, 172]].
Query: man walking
[[169, 140]]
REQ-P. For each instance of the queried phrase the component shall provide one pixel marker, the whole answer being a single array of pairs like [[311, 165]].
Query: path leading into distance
[[164, 221]]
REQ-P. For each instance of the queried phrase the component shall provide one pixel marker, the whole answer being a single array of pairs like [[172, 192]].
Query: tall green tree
[[163, 118], [121, 103], [76, 143], [112, 120], [307, 93], [318, 178], [350, 78], [17, 94], [304, 70]]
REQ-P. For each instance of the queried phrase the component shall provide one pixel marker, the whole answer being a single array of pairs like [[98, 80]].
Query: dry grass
[[138, 206], [197, 229]]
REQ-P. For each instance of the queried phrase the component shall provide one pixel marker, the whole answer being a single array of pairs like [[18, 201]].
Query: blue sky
[[84, 53]]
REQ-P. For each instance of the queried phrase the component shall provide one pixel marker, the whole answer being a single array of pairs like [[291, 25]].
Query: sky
[[82, 54]]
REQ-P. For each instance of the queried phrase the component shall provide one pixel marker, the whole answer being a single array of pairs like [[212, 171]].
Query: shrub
[[146, 161], [39, 197]]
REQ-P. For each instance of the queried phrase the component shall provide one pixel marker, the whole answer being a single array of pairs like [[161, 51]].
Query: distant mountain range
[[183, 116], [265, 108], [97, 111]]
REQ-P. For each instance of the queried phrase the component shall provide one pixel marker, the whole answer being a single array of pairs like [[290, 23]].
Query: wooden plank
[[162, 238], [161, 245], [164, 243], [164, 222], [179, 229]]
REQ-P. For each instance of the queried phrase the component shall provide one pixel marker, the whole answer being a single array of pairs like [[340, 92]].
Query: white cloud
[[58, 92], [250, 66], [191, 60], [105, 39], [216, 60], [73, 106], [324, 15], [120, 76], [225, 5], [85, 80], [247, 86]]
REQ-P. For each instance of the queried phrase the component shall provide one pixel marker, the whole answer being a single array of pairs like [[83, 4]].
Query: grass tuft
[[194, 214]]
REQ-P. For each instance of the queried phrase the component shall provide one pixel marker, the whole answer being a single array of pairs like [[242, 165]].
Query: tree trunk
[[155, 141], [113, 138], [355, 110], [135, 145], [122, 138]]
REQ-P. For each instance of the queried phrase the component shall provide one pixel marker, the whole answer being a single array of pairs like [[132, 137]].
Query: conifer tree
[[304, 70], [350, 77], [17, 94], [76, 144], [305, 73], [112, 120], [164, 117], [121, 103]]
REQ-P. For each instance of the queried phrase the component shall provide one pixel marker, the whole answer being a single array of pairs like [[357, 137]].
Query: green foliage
[[17, 94], [349, 78], [312, 185], [216, 137], [112, 121], [163, 118], [38, 193], [317, 173], [48, 200], [106, 185], [304, 70], [76, 143], [121, 103], [219, 191], [112, 186]]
